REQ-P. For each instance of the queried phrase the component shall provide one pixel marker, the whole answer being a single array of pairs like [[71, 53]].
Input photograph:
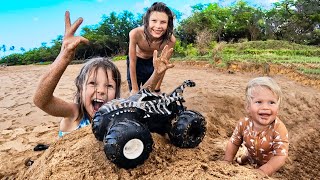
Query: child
[[154, 35], [98, 82], [263, 133]]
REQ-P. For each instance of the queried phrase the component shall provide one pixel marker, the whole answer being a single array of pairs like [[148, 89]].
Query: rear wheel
[[189, 129], [128, 144]]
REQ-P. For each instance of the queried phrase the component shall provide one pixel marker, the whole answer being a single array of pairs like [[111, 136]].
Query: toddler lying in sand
[[262, 132]]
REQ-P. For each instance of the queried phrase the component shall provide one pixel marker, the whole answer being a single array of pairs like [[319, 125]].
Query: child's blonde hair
[[262, 82], [92, 66]]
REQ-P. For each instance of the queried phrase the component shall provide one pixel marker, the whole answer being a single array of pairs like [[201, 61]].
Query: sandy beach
[[218, 96]]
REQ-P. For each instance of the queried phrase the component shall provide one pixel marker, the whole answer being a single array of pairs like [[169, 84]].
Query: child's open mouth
[[97, 103], [264, 115]]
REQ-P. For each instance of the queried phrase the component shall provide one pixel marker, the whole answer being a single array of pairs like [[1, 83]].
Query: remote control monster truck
[[124, 125]]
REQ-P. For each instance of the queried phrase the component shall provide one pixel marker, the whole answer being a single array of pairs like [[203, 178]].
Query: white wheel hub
[[133, 149]]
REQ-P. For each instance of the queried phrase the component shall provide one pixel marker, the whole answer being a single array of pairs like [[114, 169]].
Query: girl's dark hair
[[92, 66], [159, 7]]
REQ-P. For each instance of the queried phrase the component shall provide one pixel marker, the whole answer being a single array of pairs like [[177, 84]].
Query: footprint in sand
[[5, 124], [17, 145], [7, 102]]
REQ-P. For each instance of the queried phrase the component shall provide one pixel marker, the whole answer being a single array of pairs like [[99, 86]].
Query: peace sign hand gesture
[[161, 64], [70, 42]]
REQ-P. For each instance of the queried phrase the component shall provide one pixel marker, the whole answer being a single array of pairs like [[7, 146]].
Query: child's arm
[[274, 164], [161, 65], [170, 44], [133, 60], [234, 142], [281, 147], [43, 97], [231, 151]]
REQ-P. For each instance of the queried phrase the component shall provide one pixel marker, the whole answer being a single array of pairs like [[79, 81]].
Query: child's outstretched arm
[[231, 151], [43, 97], [273, 165], [161, 65]]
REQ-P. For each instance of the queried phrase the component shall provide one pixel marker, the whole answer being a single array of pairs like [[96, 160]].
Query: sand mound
[[80, 156], [219, 96]]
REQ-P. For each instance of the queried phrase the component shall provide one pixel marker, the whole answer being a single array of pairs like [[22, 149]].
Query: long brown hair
[[159, 7]]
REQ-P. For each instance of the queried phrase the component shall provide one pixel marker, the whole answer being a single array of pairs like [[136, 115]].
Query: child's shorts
[[144, 70]]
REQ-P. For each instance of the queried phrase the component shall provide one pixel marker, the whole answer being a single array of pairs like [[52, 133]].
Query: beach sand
[[218, 95]]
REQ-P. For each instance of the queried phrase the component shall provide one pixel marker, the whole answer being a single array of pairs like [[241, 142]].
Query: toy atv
[[124, 125]]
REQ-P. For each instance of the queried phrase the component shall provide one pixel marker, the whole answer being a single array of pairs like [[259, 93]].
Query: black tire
[[100, 124], [128, 144], [103, 120], [96, 126], [189, 129]]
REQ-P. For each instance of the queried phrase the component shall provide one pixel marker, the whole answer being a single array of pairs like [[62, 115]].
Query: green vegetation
[[44, 63], [306, 58], [119, 58], [310, 71], [271, 51]]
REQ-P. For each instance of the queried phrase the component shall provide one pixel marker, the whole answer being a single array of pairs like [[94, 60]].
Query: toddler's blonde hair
[[267, 82]]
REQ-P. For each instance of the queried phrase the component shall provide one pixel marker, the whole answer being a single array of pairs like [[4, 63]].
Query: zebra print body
[[147, 101]]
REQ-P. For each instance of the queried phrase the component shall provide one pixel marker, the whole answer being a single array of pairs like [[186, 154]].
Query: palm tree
[[22, 49], [11, 48], [4, 49]]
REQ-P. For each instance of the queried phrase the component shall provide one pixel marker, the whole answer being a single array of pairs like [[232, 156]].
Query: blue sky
[[28, 23]]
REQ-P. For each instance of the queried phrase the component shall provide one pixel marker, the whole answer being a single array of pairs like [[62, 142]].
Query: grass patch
[[272, 58], [192, 58], [119, 58], [309, 71], [306, 59], [44, 63], [270, 45]]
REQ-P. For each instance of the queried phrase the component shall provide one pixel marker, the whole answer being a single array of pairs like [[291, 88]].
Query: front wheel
[[189, 129], [128, 144]]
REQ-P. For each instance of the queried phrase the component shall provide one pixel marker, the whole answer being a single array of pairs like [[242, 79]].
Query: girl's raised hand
[[70, 42], [161, 64]]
